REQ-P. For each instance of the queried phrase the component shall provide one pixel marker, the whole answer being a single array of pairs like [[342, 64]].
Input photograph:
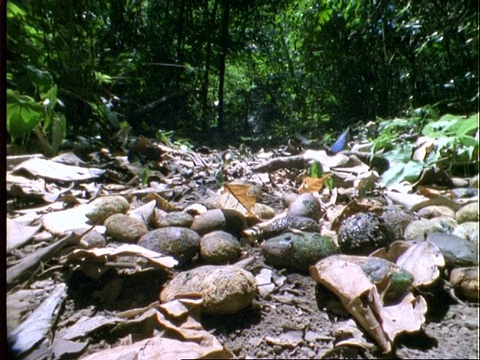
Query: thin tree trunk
[[206, 75], [223, 56]]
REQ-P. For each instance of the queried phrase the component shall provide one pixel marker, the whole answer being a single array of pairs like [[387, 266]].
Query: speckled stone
[[225, 289], [467, 230], [176, 218], [398, 219], [104, 207], [125, 228], [94, 239], [227, 220], [362, 233], [297, 250], [433, 211], [181, 243], [306, 205], [219, 247], [419, 227], [467, 213]]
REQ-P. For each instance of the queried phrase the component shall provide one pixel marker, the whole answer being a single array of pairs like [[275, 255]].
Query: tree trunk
[[223, 56]]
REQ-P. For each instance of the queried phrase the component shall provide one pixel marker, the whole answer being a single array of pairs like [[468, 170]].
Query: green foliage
[[23, 113], [455, 138], [290, 66]]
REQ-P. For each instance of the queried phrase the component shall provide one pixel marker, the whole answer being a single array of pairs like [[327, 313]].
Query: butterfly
[[341, 142]]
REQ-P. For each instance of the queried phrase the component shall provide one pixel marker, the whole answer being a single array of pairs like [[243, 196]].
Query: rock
[[474, 181], [219, 247], [433, 211], [362, 233], [420, 227], [263, 211], [124, 228], [468, 231], [397, 219], [444, 223], [181, 243], [225, 289], [227, 220], [465, 282], [94, 239], [297, 250], [306, 205], [103, 207], [176, 218], [467, 213], [457, 252]]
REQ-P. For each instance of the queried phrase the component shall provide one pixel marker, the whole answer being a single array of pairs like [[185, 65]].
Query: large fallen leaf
[[314, 185], [38, 325], [102, 254], [187, 338], [60, 222], [86, 325], [361, 299], [18, 234], [56, 171], [239, 196], [407, 200], [423, 261]]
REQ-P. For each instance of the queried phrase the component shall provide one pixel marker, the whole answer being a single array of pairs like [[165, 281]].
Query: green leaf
[[401, 172], [103, 78], [51, 95], [14, 10], [23, 114], [468, 126]]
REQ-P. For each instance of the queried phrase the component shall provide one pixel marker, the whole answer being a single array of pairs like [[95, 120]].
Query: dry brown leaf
[[238, 197], [423, 261], [361, 298], [18, 234], [310, 184], [52, 170], [38, 324], [160, 348], [161, 202], [102, 254], [423, 147]]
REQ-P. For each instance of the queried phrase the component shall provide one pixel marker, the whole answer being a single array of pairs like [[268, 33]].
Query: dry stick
[[29, 264]]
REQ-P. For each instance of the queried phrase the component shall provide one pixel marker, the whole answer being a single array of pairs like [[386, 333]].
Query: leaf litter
[[286, 319]]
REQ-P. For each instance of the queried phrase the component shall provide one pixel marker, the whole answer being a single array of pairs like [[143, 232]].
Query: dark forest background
[[245, 69]]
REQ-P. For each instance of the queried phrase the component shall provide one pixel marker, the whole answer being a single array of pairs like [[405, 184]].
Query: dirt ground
[[291, 315], [293, 322]]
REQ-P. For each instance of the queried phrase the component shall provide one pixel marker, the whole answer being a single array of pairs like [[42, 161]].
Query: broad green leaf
[[468, 125], [14, 10], [468, 141], [23, 114], [401, 172]]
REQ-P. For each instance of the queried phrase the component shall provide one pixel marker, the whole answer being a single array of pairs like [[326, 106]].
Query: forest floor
[[289, 322]]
